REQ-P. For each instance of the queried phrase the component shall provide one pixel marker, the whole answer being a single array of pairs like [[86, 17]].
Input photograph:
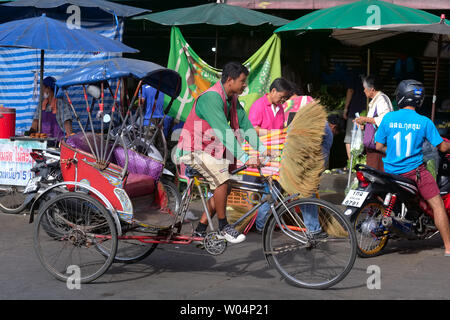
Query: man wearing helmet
[[401, 135]]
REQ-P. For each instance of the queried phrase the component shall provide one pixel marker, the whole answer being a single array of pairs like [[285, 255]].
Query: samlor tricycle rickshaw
[[108, 169], [102, 212]]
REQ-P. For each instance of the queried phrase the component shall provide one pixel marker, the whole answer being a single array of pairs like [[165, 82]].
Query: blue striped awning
[[19, 73]]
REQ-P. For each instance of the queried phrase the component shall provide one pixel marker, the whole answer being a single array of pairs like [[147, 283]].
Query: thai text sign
[[16, 162]]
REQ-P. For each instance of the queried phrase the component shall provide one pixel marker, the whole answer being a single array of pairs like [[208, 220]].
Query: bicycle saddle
[[191, 173]]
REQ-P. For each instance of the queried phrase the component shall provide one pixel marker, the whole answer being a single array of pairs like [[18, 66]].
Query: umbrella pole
[[436, 77], [41, 90]]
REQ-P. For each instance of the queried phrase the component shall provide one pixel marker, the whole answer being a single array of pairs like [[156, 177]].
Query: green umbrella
[[216, 14], [364, 14], [363, 37], [365, 21], [370, 14]]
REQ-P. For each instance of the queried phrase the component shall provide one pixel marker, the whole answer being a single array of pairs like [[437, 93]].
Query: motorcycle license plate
[[33, 185], [355, 198]]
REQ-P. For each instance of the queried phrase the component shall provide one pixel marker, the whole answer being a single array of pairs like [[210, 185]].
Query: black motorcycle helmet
[[410, 93]]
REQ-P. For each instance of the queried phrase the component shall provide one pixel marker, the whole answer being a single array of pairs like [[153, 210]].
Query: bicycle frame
[[172, 235], [267, 188], [276, 200]]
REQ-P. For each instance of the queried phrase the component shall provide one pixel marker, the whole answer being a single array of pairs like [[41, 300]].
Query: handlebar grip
[[239, 169]]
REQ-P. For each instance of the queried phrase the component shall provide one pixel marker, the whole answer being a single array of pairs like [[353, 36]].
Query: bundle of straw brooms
[[302, 159]]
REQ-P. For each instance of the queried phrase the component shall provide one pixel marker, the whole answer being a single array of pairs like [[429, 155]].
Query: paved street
[[409, 270]]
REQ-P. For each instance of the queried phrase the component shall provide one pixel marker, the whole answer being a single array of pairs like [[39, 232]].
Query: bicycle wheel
[[80, 225], [370, 234], [12, 199], [305, 260], [48, 224], [173, 195]]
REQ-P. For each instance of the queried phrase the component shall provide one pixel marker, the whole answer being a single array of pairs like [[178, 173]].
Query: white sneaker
[[232, 235]]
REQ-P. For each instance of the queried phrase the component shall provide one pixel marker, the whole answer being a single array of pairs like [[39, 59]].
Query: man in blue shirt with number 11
[[401, 135]]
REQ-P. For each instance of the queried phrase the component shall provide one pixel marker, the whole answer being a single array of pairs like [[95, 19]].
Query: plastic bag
[[357, 145]]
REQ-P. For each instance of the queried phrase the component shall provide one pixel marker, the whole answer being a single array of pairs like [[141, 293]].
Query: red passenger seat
[[139, 185]]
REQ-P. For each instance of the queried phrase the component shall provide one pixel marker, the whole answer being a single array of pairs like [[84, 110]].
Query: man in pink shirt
[[266, 115], [267, 112]]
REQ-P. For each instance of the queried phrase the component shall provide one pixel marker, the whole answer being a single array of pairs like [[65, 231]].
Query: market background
[[310, 58]]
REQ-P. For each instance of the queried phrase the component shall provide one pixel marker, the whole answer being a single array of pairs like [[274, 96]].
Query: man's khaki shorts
[[215, 171]]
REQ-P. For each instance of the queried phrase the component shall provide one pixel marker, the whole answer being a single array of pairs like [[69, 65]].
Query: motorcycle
[[386, 206], [46, 171]]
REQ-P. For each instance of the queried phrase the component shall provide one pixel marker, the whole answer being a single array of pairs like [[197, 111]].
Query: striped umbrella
[[45, 33]]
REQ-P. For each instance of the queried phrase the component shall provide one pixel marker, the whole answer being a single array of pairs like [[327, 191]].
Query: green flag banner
[[197, 76]]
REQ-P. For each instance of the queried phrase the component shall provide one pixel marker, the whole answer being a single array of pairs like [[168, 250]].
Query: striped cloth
[[19, 76], [274, 143]]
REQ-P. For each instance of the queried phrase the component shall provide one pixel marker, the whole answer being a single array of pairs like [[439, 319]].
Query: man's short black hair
[[372, 82], [281, 85], [233, 70]]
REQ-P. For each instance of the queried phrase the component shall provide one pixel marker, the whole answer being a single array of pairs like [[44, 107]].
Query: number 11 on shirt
[[398, 143]]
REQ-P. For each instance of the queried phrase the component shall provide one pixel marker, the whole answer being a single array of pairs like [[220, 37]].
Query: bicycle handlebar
[[239, 169], [263, 163]]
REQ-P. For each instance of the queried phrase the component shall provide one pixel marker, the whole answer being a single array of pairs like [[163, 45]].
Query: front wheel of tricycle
[[312, 246], [81, 224]]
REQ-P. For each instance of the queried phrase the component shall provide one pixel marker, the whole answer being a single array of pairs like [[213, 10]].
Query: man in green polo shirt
[[215, 128]]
